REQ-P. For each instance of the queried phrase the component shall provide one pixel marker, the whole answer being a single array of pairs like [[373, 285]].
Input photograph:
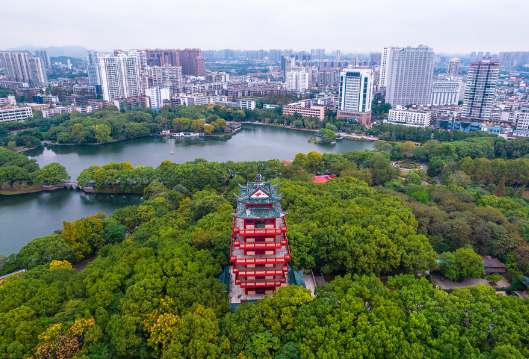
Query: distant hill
[[55, 51]]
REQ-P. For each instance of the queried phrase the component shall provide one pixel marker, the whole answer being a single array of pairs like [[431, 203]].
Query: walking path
[[449, 284]]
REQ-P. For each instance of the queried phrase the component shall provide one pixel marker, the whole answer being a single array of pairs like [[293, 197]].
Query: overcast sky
[[449, 26]]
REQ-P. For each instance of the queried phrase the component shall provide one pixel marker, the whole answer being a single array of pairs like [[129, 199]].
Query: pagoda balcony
[[259, 283], [261, 230], [282, 251], [238, 257], [275, 270], [260, 245]]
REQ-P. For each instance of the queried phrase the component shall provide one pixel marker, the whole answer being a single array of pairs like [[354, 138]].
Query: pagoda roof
[[259, 212], [259, 192]]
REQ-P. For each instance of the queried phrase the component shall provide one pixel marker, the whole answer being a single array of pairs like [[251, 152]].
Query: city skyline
[[456, 27]]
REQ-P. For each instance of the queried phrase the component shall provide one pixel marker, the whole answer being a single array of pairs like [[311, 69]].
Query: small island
[[324, 136]]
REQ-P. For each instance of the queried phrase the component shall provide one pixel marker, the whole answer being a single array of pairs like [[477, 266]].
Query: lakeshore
[[351, 136], [48, 209]]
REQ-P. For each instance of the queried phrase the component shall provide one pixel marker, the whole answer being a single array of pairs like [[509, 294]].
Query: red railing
[[243, 261], [257, 232], [251, 273], [260, 245], [275, 283], [249, 246]]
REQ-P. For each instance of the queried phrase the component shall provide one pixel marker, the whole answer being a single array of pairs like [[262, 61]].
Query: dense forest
[[101, 126], [152, 290]]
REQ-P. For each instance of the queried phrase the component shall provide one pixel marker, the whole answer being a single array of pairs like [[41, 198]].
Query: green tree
[[102, 133], [53, 174], [197, 336], [406, 149], [413, 178], [500, 190], [381, 169], [382, 146], [461, 264], [494, 278]]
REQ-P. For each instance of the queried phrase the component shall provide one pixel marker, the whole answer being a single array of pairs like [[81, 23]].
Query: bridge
[[70, 184]]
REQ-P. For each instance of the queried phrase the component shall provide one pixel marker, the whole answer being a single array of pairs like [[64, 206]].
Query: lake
[[252, 143], [24, 217], [27, 216]]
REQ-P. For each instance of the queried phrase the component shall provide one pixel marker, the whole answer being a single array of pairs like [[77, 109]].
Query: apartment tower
[[20, 66], [453, 66], [480, 88], [120, 76], [407, 74]]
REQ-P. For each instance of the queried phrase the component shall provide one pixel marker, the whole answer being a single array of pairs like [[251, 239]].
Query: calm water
[[25, 217], [253, 142]]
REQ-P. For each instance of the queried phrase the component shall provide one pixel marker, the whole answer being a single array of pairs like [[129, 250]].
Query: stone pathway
[[449, 284]]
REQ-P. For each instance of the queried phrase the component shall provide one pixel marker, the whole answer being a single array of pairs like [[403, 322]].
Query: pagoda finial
[[259, 178]]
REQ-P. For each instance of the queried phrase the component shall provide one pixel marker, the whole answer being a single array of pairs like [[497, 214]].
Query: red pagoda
[[259, 245]]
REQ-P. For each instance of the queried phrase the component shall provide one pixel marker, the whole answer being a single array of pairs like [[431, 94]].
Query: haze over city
[[450, 26]]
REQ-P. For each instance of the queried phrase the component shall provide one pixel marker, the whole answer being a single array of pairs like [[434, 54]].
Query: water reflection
[[24, 217], [253, 142]]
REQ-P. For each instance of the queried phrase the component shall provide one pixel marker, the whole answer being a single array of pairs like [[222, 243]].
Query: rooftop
[[322, 179]]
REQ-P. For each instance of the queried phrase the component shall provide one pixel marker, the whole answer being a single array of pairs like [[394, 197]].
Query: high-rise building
[[337, 55], [162, 57], [252, 55], [157, 95], [15, 64], [142, 59], [44, 57], [259, 246], [192, 62], [37, 72], [317, 54], [303, 56], [356, 94], [375, 58], [327, 78], [445, 93], [385, 58], [480, 88], [514, 58], [287, 64], [92, 68], [20, 66], [120, 76], [453, 66], [209, 54], [297, 80], [166, 76], [407, 74], [274, 55]]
